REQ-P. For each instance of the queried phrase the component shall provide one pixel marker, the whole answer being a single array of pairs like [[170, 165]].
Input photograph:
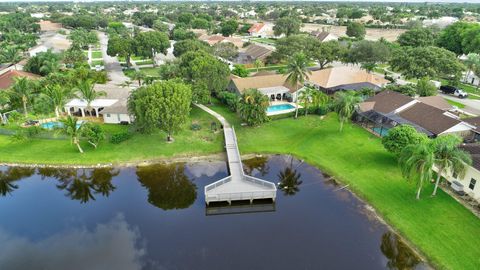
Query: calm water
[[280, 107], [155, 218]]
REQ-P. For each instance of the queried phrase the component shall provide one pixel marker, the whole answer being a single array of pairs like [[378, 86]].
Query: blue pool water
[[280, 107], [54, 125], [380, 131]]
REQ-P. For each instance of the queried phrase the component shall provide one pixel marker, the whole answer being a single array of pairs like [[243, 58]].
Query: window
[[455, 175], [108, 115], [472, 184]]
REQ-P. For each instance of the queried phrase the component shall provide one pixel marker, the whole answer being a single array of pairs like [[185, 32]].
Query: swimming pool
[[55, 125], [280, 108]]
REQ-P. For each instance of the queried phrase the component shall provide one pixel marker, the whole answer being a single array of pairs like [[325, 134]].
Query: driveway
[[112, 65], [471, 105]]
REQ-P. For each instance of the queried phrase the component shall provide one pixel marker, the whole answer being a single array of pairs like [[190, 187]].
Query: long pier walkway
[[238, 186]]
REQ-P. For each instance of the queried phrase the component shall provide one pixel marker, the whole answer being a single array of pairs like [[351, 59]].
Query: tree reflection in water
[[168, 186], [258, 163], [10, 175], [399, 255], [82, 184], [290, 179]]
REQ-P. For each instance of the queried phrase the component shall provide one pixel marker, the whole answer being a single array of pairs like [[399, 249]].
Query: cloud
[[205, 169], [108, 246]]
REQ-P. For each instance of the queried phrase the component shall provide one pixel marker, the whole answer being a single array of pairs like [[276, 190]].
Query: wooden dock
[[238, 186]]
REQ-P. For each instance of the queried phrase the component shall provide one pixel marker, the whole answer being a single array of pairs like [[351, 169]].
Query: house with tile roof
[[7, 79], [261, 30], [323, 35], [253, 52], [388, 109], [331, 80], [274, 86]]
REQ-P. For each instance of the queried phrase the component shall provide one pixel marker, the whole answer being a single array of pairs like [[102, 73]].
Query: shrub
[[118, 138], [195, 127], [230, 99]]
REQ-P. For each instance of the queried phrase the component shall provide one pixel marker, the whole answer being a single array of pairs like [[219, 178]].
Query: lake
[[155, 217]]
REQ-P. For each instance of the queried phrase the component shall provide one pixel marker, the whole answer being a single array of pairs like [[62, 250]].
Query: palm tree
[[23, 89], [319, 99], [49, 66], [72, 127], [252, 107], [11, 55], [58, 96], [416, 162], [139, 76], [306, 97], [87, 92], [344, 105], [297, 70], [258, 63], [448, 157]]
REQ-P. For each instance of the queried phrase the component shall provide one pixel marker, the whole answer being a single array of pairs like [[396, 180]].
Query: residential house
[[388, 109], [334, 79], [324, 35], [262, 30], [7, 78], [274, 86], [474, 121], [112, 107], [214, 39], [253, 52], [469, 183]]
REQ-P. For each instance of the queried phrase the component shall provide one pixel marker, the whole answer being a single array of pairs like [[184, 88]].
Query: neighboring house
[[437, 102], [441, 22], [7, 79], [262, 30], [474, 121], [470, 182], [471, 78], [112, 107], [334, 79], [388, 109], [214, 39], [253, 52], [51, 41], [274, 86], [323, 35], [49, 26]]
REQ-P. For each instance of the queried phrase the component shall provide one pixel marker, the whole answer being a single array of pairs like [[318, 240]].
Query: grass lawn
[[97, 62], [444, 231], [144, 62], [454, 103], [268, 41], [133, 57], [149, 71], [139, 147], [97, 54]]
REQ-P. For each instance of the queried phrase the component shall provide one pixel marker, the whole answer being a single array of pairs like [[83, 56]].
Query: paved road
[[471, 105], [112, 65]]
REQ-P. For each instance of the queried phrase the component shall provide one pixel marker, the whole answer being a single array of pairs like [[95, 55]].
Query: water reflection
[[290, 179], [112, 245], [398, 253], [168, 186], [82, 184], [258, 163], [10, 175]]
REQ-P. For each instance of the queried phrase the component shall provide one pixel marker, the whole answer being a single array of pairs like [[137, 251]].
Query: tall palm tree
[[416, 162], [297, 73], [139, 76], [49, 65], [58, 95], [87, 92], [448, 157], [306, 97], [319, 99], [23, 89], [344, 105], [11, 55], [73, 128]]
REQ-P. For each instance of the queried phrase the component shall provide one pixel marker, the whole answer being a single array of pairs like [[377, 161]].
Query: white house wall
[[115, 118], [470, 174]]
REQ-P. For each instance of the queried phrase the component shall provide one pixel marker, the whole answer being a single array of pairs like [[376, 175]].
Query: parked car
[[452, 90]]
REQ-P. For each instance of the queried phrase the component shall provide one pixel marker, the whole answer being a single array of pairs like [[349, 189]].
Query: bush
[[195, 127], [400, 137], [118, 138], [230, 99]]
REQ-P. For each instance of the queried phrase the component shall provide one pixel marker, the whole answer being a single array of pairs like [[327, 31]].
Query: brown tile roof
[[266, 81], [474, 150], [49, 26], [389, 101], [256, 28], [336, 76], [7, 79], [437, 102], [475, 121], [429, 117], [258, 52]]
